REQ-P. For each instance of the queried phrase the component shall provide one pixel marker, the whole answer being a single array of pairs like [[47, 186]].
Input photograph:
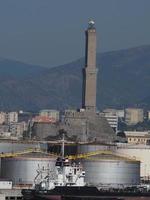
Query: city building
[[11, 117], [44, 119], [51, 114], [133, 116], [138, 137], [112, 118], [118, 113], [70, 111], [148, 114], [17, 129], [5, 131], [4, 128], [2, 117]]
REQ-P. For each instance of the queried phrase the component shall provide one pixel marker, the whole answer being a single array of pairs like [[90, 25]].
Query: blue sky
[[51, 32]]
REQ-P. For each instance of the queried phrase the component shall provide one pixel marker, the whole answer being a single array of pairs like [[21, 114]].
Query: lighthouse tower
[[90, 70]]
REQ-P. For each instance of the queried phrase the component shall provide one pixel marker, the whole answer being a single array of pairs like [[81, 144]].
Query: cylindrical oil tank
[[115, 171], [13, 146], [23, 169], [140, 152], [86, 148]]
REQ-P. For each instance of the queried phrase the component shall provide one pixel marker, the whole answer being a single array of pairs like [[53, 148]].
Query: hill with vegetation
[[123, 80]]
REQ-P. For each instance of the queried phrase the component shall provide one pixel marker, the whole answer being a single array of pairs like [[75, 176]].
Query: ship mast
[[63, 146]]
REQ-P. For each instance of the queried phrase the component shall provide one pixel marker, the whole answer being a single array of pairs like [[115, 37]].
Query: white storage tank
[[110, 170], [14, 146], [22, 169], [86, 148], [140, 152], [11, 146]]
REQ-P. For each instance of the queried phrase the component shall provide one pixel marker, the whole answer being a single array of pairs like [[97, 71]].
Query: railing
[[86, 155], [18, 153]]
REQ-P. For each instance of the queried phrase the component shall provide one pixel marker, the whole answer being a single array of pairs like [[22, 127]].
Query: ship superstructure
[[66, 173]]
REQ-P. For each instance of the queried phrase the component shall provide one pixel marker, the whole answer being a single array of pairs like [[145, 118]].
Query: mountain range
[[123, 80]]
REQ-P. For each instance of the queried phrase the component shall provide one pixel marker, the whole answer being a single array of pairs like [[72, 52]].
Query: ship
[[67, 181]]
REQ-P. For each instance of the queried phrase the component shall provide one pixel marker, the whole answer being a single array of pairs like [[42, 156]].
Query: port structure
[[19, 153], [102, 154]]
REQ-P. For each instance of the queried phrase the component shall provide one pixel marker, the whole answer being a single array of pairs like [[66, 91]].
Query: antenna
[[62, 133], [63, 145]]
